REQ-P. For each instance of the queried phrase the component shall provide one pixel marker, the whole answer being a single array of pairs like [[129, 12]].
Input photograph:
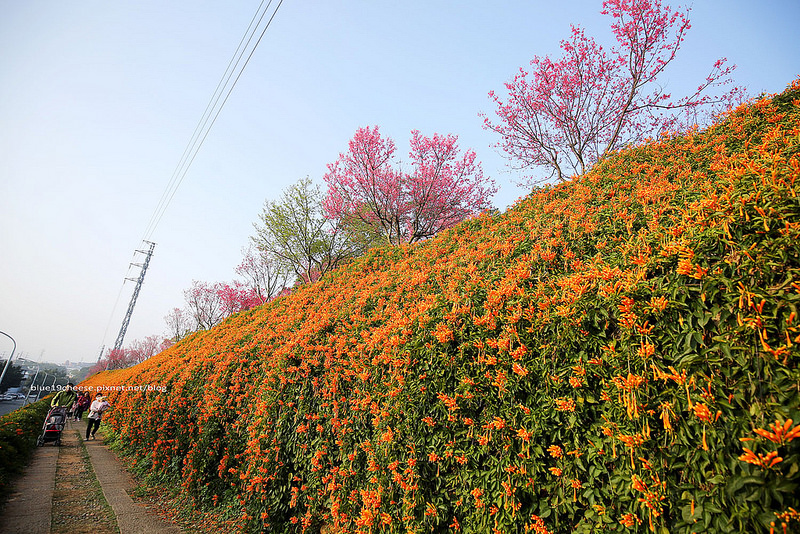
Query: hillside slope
[[597, 358]]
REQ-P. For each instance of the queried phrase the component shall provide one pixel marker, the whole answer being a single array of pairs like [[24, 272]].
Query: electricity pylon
[[139, 281]]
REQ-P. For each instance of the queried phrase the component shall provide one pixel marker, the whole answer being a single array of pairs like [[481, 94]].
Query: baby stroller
[[53, 426]]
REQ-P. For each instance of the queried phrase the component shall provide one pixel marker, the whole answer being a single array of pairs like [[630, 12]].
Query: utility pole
[[32, 385], [39, 391], [139, 281]]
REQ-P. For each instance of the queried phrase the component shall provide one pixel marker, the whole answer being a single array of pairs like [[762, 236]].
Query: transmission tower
[[139, 281]]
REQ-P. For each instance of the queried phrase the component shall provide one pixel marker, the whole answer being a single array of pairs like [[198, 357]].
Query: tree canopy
[[443, 188], [562, 115]]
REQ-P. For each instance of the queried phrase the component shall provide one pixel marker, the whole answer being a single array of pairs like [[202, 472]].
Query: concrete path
[[116, 482], [29, 507]]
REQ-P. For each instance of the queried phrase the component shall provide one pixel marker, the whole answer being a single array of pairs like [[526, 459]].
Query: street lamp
[[8, 361], [32, 384], [39, 391]]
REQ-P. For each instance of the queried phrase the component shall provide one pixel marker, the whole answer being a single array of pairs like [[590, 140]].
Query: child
[[83, 403]]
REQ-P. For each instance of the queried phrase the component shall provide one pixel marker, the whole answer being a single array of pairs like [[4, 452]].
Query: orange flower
[[629, 520], [442, 333], [646, 350], [659, 303], [518, 369], [576, 485], [565, 405], [702, 412], [766, 461], [579, 370], [666, 413], [685, 266], [780, 433], [556, 471], [477, 493], [524, 435], [631, 441], [455, 525], [555, 451], [537, 525], [450, 402]]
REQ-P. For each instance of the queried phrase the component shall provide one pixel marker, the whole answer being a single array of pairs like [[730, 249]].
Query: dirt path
[[78, 503], [132, 518], [78, 488]]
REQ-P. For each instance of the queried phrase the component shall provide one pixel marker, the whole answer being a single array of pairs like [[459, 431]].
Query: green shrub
[[18, 433], [615, 353]]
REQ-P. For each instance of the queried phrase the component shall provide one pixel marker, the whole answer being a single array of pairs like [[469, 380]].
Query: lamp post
[[8, 361], [32, 385], [39, 391]]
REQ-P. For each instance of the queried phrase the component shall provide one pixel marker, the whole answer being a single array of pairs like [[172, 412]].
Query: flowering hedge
[[616, 353], [18, 432]]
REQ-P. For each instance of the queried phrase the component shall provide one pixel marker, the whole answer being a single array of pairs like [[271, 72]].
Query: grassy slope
[[587, 361]]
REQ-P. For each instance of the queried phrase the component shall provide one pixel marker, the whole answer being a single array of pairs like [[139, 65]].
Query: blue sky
[[99, 99]]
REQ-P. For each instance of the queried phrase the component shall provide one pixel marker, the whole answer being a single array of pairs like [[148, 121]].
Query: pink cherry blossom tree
[[565, 114], [366, 186], [115, 359], [237, 297], [136, 352], [209, 304], [142, 349]]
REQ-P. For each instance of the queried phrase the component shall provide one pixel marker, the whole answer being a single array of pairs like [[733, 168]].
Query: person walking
[[99, 405], [74, 408], [64, 398], [83, 402]]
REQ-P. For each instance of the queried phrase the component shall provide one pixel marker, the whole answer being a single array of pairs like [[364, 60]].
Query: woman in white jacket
[[99, 405]]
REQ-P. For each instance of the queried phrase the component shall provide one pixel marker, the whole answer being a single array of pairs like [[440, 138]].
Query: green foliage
[[13, 376], [295, 231], [18, 432], [617, 353]]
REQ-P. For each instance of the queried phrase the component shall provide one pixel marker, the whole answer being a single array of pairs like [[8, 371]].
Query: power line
[[165, 196], [206, 122], [213, 109]]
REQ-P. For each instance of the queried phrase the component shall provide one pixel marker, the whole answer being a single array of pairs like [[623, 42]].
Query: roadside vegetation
[[18, 432], [556, 118], [617, 352]]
